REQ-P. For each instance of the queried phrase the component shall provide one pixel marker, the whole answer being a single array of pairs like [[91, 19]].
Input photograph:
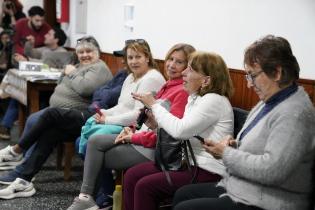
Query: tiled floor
[[52, 191]]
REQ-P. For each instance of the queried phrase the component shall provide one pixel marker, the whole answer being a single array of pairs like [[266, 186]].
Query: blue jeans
[[31, 120], [11, 114]]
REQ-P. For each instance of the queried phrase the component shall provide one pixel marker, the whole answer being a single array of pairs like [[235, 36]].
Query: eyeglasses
[[86, 39], [140, 41], [251, 77]]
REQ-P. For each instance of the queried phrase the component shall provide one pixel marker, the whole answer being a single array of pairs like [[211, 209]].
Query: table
[[26, 86]]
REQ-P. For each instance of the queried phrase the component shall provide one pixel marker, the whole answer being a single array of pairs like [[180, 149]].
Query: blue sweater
[[107, 96]]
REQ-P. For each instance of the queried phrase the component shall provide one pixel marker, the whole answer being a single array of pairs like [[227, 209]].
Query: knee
[[145, 186], [179, 196], [93, 140], [49, 112]]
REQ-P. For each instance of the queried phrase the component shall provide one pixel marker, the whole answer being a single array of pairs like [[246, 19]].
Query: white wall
[[223, 26], [27, 4]]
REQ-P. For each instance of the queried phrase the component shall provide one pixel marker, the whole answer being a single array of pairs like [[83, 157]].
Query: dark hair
[[36, 10], [60, 35], [17, 4], [270, 53]]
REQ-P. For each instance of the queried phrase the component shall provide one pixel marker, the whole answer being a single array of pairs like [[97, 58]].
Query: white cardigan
[[209, 116], [127, 109]]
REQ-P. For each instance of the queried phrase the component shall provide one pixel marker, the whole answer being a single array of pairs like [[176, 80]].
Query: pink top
[[172, 91]]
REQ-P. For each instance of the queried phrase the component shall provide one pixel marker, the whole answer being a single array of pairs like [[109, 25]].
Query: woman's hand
[[150, 122], [100, 119], [18, 57], [124, 136], [217, 149], [68, 69], [147, 98]]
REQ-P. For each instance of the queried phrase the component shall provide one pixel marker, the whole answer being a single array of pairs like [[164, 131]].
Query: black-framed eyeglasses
[[251, 77]]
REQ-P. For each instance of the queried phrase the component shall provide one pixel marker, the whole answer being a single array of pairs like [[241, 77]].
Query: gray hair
[[88, 42]]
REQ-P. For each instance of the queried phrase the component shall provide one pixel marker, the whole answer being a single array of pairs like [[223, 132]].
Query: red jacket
[[22, 30], [173, 92]]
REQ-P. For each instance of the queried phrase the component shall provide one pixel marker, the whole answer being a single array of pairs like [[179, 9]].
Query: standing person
[[103, 148], [273, 166], [12, 10], [74, 91], [31, 29], [54, 40], [208, 114]]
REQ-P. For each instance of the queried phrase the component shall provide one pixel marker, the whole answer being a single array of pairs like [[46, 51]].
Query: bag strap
[[187, 144], [161, 163]]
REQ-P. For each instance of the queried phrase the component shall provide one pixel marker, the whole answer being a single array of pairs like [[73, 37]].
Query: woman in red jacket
[[128, 148]]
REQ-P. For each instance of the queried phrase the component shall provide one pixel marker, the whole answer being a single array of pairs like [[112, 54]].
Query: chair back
[[240, 116]]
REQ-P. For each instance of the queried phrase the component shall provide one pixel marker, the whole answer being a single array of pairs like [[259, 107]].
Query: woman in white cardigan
[[144, 77], [208, 114]]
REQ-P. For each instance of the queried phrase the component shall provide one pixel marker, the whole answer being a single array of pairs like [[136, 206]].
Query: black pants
[[54, 125], [205, 196]]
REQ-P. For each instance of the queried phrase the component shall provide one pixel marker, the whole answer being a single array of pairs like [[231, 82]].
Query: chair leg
[[59, 156], [69, 153]]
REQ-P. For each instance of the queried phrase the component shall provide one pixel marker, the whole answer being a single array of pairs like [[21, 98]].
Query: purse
[[172, 155]]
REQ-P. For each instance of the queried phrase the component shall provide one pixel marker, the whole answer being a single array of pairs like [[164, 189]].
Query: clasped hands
[[216, 149], [124, 136]]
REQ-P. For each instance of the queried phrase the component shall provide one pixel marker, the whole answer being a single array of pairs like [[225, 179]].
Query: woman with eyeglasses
[[272, 168], [47, 127], [129, 148], [208, 114]]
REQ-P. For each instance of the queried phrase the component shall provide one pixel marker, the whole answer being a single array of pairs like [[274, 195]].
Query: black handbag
[[172, 154]]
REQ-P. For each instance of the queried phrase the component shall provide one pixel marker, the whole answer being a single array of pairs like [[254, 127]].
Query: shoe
[[80, 204], [9, 178], [7, 158], [7, 168], [18, 188], [103, 201], [4, 133]]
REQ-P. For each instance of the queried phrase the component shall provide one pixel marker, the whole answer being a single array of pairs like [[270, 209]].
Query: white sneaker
[[7, 158], [83, 204], [18, 188]]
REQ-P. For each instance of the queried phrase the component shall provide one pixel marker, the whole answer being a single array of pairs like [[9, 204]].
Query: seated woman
[[208, 114], [144, 77], [272, 167], [74, 91], [103, 148]]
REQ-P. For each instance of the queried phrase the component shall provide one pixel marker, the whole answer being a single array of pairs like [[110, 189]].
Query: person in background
[[34, 28], [53, 43], [208, 114], [5, 52], [54, 40], [138, 145], [12, 10], [272, 167], [74, 91]]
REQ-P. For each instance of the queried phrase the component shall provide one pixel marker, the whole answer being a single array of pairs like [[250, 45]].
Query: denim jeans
[[11, 114], [31, 120]]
